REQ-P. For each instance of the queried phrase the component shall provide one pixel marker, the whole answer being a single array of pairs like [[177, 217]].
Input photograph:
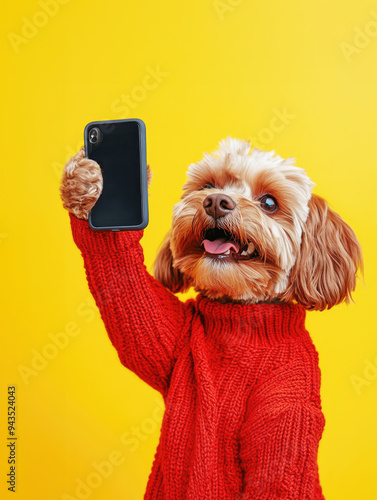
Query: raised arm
[[280, 437], [143, 319]]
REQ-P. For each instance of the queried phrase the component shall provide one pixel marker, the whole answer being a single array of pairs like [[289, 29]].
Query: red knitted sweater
[[240, 383]]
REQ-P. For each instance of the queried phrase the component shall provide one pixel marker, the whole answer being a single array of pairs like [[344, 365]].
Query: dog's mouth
[[221, 244]]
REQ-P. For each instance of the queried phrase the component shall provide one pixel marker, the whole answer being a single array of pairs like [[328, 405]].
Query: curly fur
[[306, 252], [325, 272], [82, 183]]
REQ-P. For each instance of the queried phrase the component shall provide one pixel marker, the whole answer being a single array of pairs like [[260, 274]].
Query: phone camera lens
[[94, 135]]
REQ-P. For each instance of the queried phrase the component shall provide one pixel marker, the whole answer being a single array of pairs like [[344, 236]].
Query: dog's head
[[247, 229]]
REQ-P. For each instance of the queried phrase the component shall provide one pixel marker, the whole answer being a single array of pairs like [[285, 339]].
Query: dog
[[236, 367]]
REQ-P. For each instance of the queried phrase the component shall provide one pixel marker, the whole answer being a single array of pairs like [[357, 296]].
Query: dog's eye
[[268, 204], [208, 186]]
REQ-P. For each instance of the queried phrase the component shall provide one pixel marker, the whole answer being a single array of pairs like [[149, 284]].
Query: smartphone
[[119, 147]]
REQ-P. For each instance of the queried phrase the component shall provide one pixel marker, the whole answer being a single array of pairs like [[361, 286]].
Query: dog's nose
[[218, 205]]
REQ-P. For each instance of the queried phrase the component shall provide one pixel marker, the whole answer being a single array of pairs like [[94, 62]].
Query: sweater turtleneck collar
[[262, 324]]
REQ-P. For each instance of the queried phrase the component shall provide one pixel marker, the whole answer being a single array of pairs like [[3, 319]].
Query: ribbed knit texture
[[240, 383]]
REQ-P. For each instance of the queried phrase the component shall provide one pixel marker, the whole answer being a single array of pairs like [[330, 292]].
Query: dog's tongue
[[219, 246]]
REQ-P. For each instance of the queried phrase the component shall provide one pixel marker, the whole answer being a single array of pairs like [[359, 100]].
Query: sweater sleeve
[[142, 318], [279, 439]]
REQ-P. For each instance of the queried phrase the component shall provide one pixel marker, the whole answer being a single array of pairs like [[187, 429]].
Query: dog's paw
[[81, 185]]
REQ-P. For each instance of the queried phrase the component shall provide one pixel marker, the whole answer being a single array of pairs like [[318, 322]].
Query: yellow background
[[228, 68]]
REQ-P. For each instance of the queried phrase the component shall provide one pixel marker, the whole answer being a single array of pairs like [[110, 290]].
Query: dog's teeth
[[244, 253], [227, 252], [250, 249]]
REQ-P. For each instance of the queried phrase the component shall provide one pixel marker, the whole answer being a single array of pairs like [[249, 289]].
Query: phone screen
[[117, 150]]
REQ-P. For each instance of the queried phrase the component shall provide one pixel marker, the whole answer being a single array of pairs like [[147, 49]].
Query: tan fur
[[169, 276], [325, 272], [293, 265], [82, 183], [307, 253]]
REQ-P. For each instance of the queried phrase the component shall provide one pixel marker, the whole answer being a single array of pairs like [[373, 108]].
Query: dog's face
[[247, 229]]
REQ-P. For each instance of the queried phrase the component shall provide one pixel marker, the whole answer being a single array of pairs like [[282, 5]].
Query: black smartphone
[[119, 147]]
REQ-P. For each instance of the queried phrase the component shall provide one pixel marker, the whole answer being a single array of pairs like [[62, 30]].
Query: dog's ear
[[164, 271], [325, 271]]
